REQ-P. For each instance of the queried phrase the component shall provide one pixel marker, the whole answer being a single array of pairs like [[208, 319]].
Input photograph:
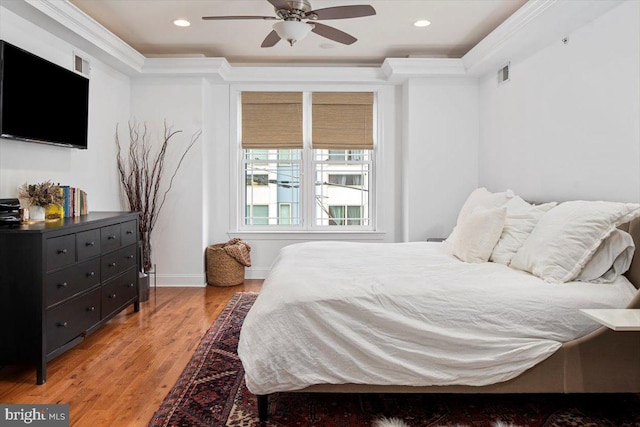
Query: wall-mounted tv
[[41, 101]]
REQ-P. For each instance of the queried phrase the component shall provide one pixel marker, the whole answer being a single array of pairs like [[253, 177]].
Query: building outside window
[[258, 179], [259, 214], [307, 177], [284, 214], [349, 215]]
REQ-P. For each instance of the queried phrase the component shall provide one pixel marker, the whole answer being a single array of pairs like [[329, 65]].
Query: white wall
[[93, 169], [567, 125], [440, 153], [177, 239]]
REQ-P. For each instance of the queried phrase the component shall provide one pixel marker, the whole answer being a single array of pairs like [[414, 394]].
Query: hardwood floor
[[119, 375]]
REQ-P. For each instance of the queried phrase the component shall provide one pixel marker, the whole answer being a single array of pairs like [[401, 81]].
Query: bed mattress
[[407, 314]]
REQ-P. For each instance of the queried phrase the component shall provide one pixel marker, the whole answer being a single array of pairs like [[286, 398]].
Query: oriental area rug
[[211, 392]]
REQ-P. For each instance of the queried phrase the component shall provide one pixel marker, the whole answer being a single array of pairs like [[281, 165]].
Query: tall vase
[[146, 251], [36, 213], [145, 259]]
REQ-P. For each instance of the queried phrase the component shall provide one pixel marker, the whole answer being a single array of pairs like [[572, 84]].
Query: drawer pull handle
[[90, 244], [112, 296], [129, 256], [130, 285], [91, 308], [112, 237], [91, 274], [129, 232], [112, 264], [62, 324], [62, 285], [62, 251]]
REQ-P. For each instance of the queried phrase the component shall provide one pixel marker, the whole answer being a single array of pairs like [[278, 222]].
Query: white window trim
[[375, 231]]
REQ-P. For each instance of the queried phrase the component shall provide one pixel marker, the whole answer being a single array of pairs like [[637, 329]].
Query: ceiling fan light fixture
[[292, 31]]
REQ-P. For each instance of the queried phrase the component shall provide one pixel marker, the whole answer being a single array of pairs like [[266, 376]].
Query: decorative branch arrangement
[[141, 175]]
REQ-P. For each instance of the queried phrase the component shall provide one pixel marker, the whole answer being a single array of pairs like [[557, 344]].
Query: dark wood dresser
[[61, 280]]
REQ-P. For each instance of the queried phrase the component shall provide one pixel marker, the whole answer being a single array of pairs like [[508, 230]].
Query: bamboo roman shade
[[271, 120], [342, 120]]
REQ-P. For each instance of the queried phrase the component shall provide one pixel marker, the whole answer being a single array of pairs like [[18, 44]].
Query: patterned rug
[[211, 392]]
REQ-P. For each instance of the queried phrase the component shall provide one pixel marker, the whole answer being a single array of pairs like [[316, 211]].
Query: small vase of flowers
[[39, 197]]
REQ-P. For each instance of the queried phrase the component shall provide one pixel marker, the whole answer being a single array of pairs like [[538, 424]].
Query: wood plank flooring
[[119, 375]]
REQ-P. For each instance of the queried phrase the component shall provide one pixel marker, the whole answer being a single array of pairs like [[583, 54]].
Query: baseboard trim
[[256, 273], [179, 280], [199, 280]]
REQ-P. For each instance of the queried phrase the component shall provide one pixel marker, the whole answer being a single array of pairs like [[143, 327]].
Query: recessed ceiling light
[[181, 23], [422, 23]]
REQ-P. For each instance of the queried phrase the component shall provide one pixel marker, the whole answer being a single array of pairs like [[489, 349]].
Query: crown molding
[[98, 41], [305, 74], [217, 69], [392, 71], [535, 25], [400, 69]]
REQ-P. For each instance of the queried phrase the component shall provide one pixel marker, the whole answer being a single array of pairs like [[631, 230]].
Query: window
[[272, 180], [307, 177], [341, 215], [342, 182]]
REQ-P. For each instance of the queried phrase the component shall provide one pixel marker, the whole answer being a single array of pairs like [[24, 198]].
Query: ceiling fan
[[294, 21]]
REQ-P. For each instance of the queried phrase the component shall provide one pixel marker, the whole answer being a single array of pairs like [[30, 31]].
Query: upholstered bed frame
[[604, 361]]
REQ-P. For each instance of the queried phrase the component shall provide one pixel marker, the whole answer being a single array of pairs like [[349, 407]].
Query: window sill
[[308, 235]]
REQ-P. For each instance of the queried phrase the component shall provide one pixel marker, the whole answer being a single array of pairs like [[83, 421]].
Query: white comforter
[[407, 314]]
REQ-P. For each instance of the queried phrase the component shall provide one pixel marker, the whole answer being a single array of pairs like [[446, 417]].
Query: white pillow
[[566, 237], [612, 259], [521, 220], [478, 233], [480, 197]]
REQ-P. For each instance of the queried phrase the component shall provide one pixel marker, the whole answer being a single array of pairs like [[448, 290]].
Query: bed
[[411, 317]]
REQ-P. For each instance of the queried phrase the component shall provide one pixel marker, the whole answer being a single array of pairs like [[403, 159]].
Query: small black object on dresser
[[61, 280], [9, 212]]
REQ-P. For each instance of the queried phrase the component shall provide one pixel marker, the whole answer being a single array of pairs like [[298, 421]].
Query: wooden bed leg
[[263, 407]]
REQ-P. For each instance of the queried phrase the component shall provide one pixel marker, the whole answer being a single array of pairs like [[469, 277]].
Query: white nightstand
[[623, 319]]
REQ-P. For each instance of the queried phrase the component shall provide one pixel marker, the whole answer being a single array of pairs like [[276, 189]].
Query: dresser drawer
[[129, 232], [110, 237], [118, 291], [70, 319], [88, 244], [66, 283], [116, 262], [61, 251]]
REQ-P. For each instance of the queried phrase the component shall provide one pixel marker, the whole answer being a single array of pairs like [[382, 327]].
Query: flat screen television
[[41, 101]]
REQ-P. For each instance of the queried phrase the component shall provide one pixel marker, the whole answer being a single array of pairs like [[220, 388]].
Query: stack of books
[[75, 202]]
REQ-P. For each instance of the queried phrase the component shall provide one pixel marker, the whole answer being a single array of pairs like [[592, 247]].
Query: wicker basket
[[222, 270]]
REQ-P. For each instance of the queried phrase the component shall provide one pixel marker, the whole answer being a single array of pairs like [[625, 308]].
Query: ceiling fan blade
[[220, 18], [343, 12], [333, 34], [280, 4], [271, 40]]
